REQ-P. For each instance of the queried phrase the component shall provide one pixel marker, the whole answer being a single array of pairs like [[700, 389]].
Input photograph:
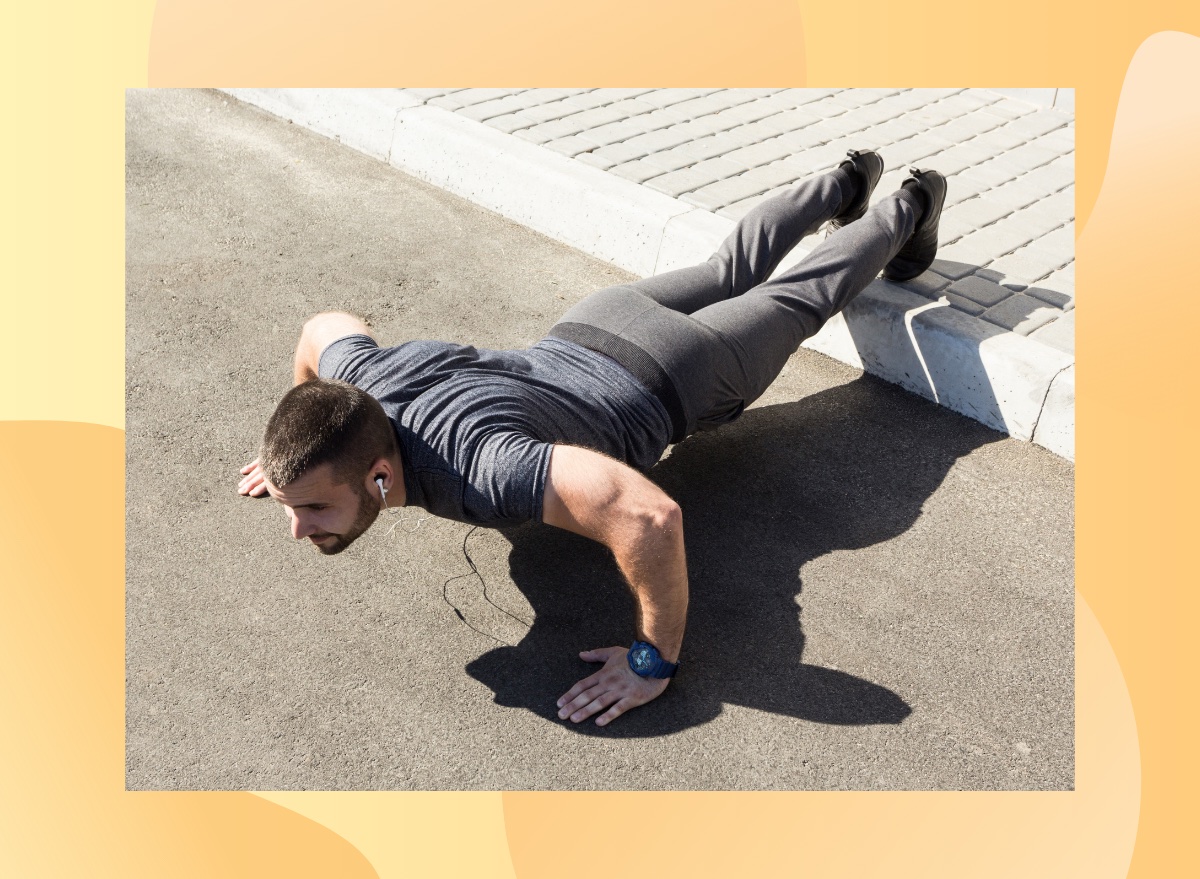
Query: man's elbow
[[320, 327], [662, 520], [653, 527], [318, 332]]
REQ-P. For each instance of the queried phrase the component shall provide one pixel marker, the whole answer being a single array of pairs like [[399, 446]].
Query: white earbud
[[382, 490]]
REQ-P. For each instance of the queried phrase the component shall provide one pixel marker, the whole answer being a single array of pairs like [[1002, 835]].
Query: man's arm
[[319, 332], [598, 497]]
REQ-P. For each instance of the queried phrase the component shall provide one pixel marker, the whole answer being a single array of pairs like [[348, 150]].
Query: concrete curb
[[1007, 381]]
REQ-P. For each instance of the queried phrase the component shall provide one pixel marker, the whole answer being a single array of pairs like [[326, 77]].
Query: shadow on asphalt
[[783, 485]]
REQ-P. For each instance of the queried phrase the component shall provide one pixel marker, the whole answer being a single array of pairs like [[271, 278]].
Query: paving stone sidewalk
[[1007, 250]]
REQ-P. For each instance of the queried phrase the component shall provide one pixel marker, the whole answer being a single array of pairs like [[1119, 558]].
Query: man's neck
[[398, 493]]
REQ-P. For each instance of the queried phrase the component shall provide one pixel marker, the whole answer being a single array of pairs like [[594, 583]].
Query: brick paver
[[979, 291], [676, 183], [1059, 333], [1007, 234], [928, 284], [1027, 265], [1021, 314]]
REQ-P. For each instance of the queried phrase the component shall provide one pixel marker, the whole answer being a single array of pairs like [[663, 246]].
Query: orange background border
[[61, 629]]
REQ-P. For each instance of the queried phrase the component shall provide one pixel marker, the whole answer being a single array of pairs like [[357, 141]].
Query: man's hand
[[614, 687], [252, 483]]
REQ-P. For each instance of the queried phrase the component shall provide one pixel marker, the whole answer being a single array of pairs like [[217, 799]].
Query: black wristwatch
[[646, 661]]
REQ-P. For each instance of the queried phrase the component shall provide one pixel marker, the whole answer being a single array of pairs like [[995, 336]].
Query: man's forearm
[[607, 501], [654, 562], [598, 497]]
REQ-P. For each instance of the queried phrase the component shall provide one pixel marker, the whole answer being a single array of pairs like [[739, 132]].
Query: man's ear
[[381, 467]]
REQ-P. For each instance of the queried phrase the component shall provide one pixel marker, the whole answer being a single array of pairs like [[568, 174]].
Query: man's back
[[476, 427]]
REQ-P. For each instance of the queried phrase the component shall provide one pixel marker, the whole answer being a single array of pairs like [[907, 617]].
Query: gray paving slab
[[959, 157], [1021, 313], [978, 211], [639, 170], [899, 576], [1027, 264], [570, 146], [994, 173], [676, 183], [1008, 109], [613, 132], [963, 304], [721, 144], [511, 122], [673, 159], [1063, 279], [928, 284], [496, 107], [959, 191], [980, 291], [1052, 177], [949, 268], [670, 97], [1059, 334], [548, 111]]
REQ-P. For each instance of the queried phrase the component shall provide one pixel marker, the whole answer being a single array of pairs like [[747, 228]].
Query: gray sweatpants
[[720, 331]]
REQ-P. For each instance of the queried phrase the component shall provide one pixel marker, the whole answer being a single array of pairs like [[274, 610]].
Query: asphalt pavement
[[881, 590]]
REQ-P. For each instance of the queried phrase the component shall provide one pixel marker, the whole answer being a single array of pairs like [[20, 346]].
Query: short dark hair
[[324, 421]]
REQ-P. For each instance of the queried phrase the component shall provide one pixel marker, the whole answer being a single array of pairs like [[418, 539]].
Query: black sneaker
[[865, 166], [918, 252]]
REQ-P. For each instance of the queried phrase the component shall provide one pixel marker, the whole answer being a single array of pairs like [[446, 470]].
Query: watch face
[[641, 659]]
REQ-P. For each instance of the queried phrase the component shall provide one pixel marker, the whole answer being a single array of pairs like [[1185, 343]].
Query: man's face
[[331, 515]]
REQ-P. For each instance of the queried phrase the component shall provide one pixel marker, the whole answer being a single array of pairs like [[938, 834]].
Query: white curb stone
[[1056, 428], [690, 239], [995, 377], [360, 118], [582, 206]]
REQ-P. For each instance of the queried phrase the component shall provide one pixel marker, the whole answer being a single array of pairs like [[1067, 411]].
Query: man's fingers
[[252, 485], [582, 698], [615, 711], [602, 701], [586, 684], [252, 480]]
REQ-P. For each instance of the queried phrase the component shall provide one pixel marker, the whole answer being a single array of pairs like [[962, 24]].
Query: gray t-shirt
[[476, 427]]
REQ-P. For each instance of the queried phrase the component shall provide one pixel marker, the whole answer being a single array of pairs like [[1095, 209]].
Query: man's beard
[[368, 510]]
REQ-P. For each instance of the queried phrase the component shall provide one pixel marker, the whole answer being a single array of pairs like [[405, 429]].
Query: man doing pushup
[[563, 431]]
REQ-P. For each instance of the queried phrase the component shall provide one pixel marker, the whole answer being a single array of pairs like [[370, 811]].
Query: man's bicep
[[596, 496]]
